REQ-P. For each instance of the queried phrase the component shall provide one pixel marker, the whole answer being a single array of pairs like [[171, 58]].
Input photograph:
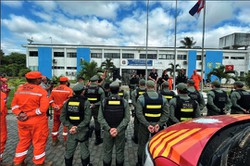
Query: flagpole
[[203, 41], [175, 50], [146, 73]]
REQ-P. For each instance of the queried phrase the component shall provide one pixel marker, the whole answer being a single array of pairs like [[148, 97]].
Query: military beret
[[190, 81], [114, 84], [78, 87], [181, 86], [142, 82], [94, 78], [165, 84], [33, 75], [63, 79], [239, 83], [216, 83], [150, 83]]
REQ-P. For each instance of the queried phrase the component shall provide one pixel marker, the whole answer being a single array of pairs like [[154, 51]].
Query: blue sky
[[121, 23]]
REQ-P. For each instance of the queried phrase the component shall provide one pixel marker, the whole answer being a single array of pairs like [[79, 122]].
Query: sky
[[118, 23]]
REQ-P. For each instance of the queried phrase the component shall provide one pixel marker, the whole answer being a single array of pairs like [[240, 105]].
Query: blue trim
[[192, 56], [82, 54], [45, 61], [213, 59]]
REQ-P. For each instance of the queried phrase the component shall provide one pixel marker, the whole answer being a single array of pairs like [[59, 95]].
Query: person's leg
[[55, 129], [120, 146], [108, 143]]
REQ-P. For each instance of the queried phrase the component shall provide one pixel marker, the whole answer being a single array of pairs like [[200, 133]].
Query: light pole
[[146, 73]]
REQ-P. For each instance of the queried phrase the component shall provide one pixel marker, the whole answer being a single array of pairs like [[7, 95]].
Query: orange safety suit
[[170, 83], [197, 79], [3, 125], [31, 99], [59, 95]]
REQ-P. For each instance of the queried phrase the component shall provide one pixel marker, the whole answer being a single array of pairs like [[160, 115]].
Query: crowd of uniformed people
[[153, 108]]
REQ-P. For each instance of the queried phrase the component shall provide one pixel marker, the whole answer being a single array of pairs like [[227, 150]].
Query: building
[[62, 59], [235, 41]]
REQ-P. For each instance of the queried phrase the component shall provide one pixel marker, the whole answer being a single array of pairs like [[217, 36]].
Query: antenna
[[30, 40]]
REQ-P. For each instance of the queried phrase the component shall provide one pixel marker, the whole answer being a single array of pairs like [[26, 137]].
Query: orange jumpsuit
[[3, 125], [197, 79], [58, 97], [170, 83], [31, 99]]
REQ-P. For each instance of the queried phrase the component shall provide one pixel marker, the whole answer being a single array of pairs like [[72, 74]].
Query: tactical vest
[[219, 100], [244, 101], [121, 93], [168, 95], [113, 110], [153, 108], [92, 94], [139, 92], [75, 110], [195, 95], [185, 109]]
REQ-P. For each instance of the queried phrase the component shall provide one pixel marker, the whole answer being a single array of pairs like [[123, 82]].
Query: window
[[111, 55], [33, 68], [162, 56], [33, 53], [170, 56], [96, 55], [71, 68], [182, 57], [57, 67], [127, 55], [237, 57], [58, 54], [71, 54], [150, 56], [198, 57], [226, 57]]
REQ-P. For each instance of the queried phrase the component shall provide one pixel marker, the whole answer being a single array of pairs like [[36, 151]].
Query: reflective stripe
[[183, 119], [29, 93], [1, 155], [187, 110], [74, 103], [140, 93], [168, 97], [14, 107], [74, 118], [153, 106], [38, 112], [114, 102], [152, 115], [64, 133], [92, 99], [61, 91], [54, 133], [39, 156], [120, 94], [51, 101], [21, 154]]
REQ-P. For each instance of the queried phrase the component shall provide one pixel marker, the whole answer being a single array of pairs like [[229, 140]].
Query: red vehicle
[[206, 141]]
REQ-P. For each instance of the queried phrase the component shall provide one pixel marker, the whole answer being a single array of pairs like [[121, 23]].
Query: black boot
[[120, 163], [68, 162], [98, 139], [86, 162], [106, 164]]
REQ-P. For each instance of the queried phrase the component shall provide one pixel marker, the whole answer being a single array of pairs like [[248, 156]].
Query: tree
[[171, 69], [247, 79], [1, 56], [109, 66], [221, 73], [88, 69], [188, 42]]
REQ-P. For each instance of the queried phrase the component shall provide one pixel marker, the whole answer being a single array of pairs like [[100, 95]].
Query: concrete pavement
[[56, 154]]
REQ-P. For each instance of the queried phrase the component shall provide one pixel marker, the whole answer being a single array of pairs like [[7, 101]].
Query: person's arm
[[63, 117], [125, 120], [197, 111], [139, 111], [210, 101], [87, 116], [165, 113], [202, 102], [101, 118], [235, 96], [172, 106]]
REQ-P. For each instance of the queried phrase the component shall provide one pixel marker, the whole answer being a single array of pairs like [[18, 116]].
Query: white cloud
[[13, 4], [42, 15], [47, 6]]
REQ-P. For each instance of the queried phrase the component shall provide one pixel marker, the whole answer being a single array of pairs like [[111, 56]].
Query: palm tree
[[109, 66], [171, 69], [188, 42], [221, 73], [88, 69]]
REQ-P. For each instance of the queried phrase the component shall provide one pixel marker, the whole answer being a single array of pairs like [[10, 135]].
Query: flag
[[195, 11]]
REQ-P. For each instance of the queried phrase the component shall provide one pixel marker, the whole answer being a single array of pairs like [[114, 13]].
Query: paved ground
[[56, 154]]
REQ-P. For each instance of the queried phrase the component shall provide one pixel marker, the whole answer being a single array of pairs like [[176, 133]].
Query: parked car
[[205, 141]]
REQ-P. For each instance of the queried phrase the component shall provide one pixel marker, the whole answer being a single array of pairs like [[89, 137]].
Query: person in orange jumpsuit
[[170, 83], [3, 125], [59, 95], [197, 79], [30, 104]]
